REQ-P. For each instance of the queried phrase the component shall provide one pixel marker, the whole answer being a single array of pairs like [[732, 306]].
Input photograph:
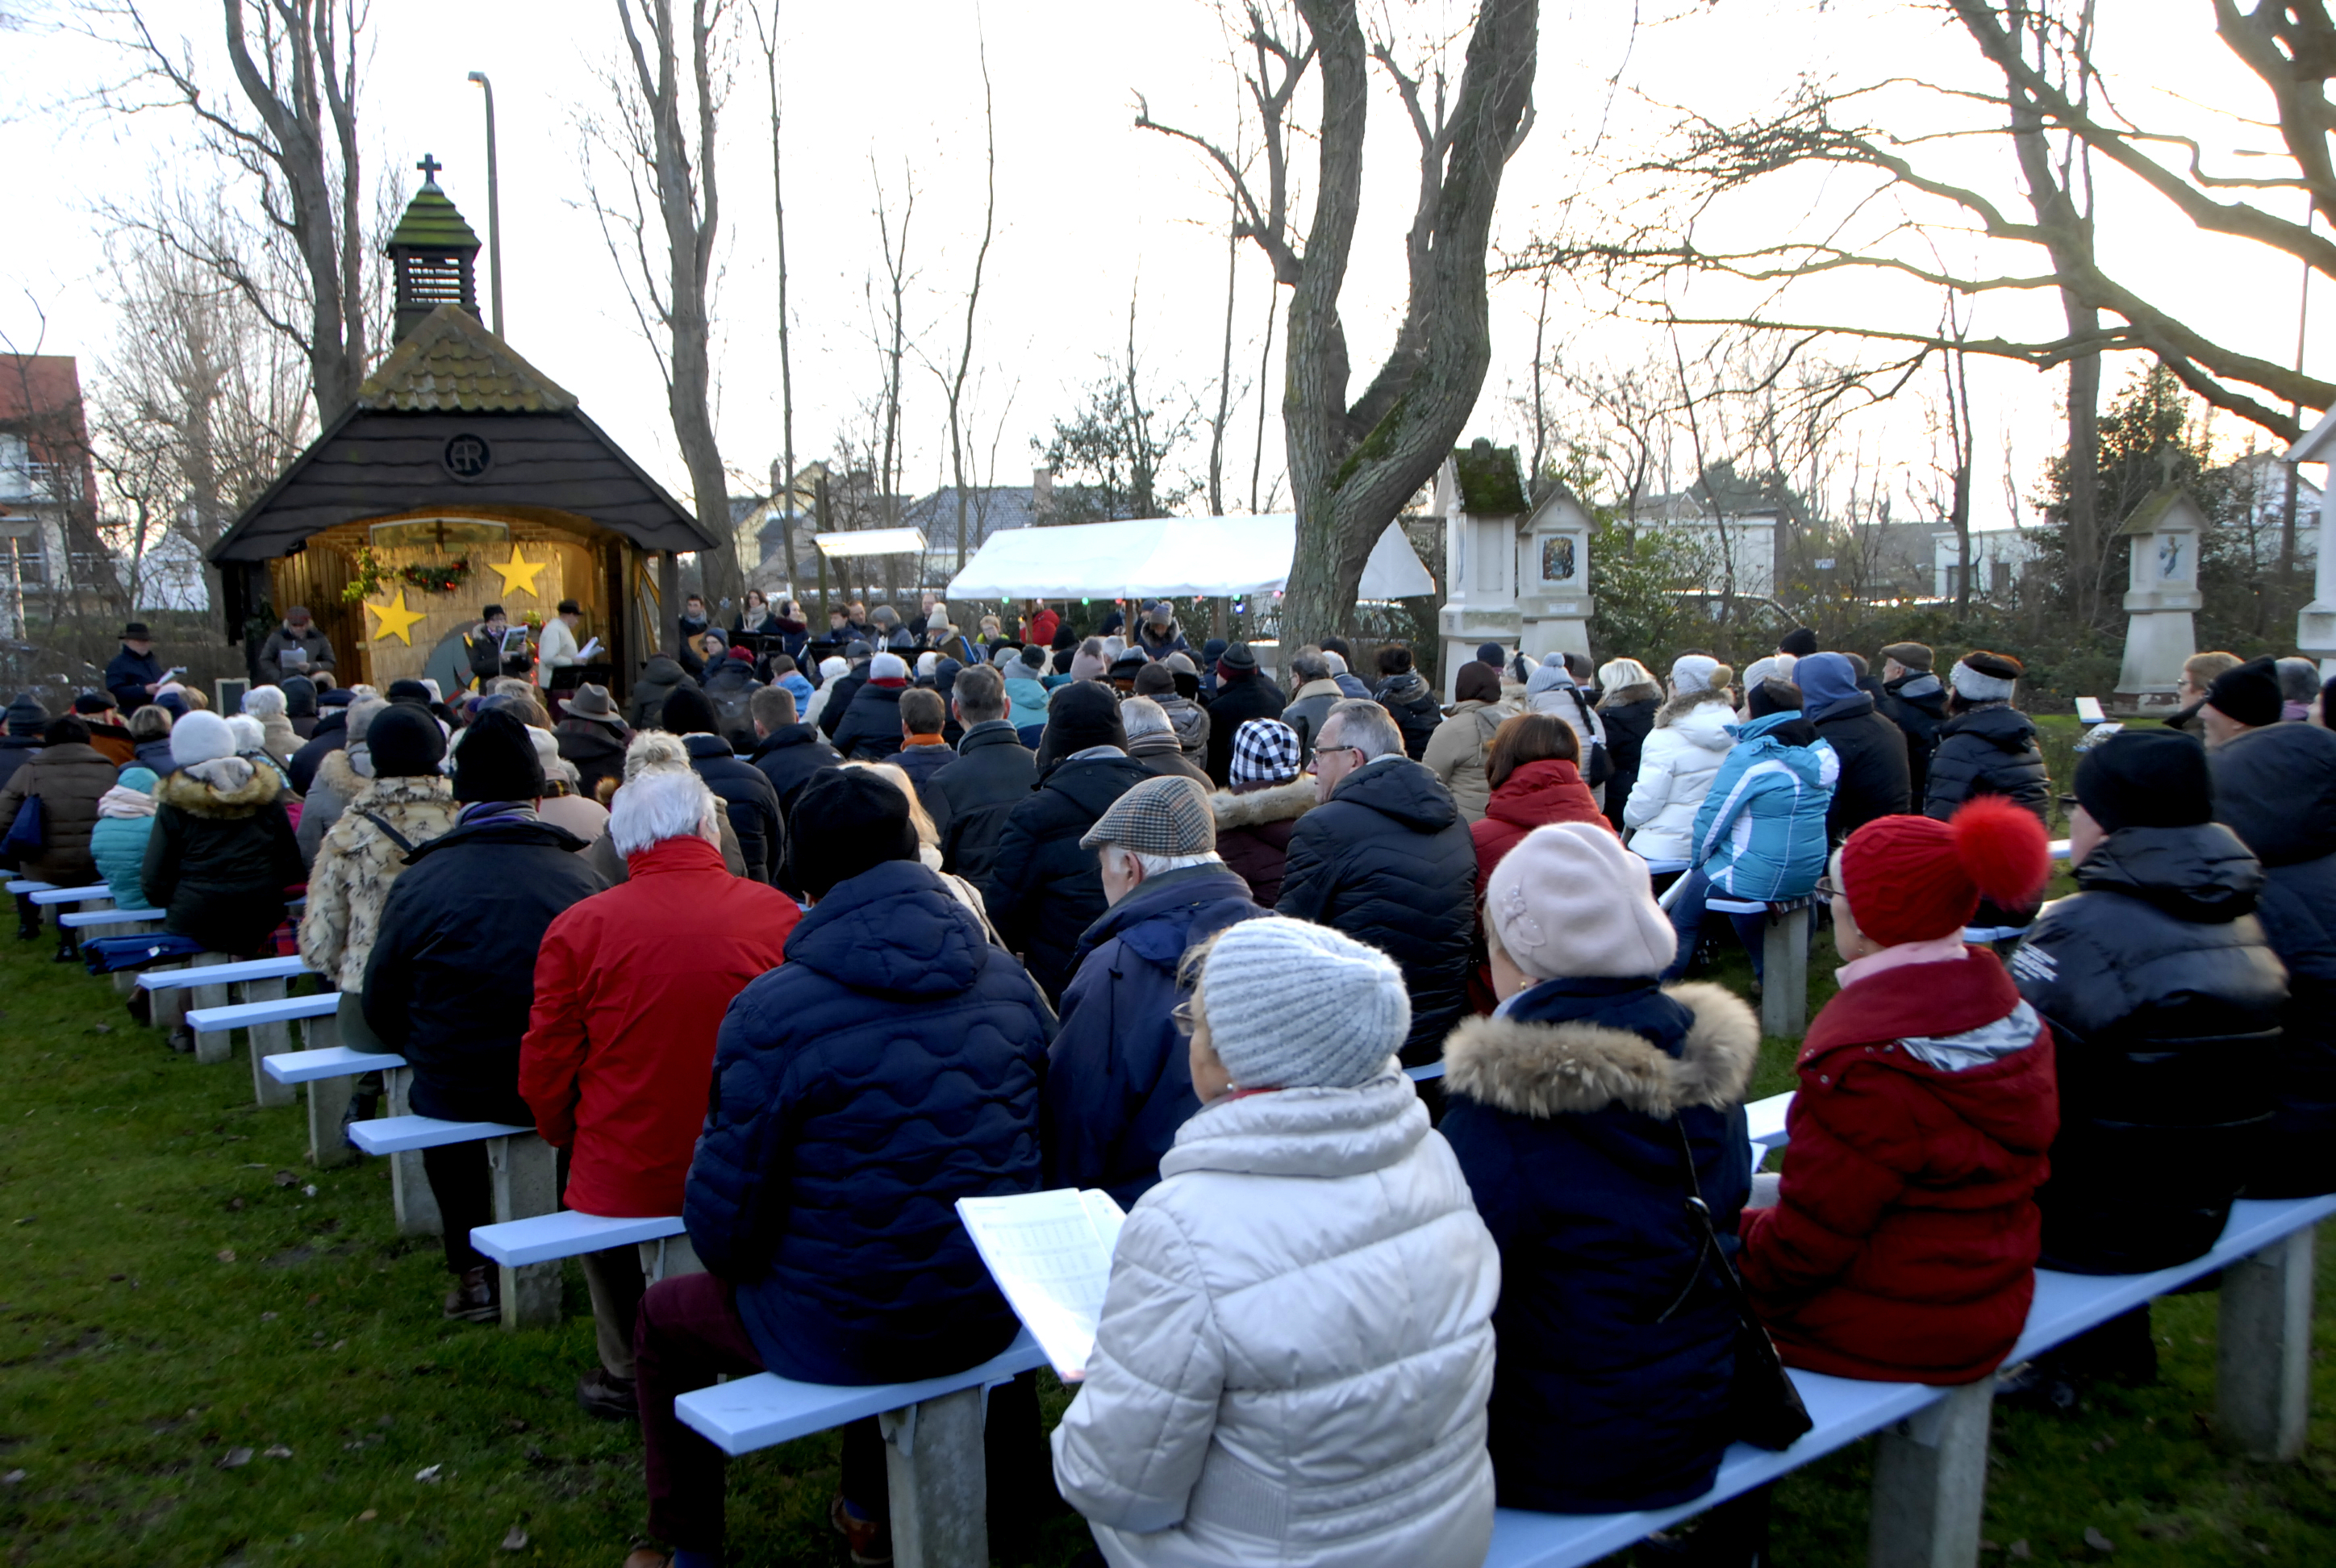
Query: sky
[[1094, 214]]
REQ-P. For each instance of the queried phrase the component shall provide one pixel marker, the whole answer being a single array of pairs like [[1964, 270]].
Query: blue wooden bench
[[525, 1184], [661, 1241], [331, 1073], [266, 1013]]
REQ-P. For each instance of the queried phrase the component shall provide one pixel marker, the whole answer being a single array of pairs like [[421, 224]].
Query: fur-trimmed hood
[[1674, 708], [1577, 1067], [1280, 804], [192, 795]]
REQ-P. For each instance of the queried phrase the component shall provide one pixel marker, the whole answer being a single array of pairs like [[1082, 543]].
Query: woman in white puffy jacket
[[1681, 754], [1296, 1349]]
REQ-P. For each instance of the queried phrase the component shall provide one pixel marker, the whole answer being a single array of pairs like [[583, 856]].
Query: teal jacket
[[1760, 833], [1028, 698], [118, 844]]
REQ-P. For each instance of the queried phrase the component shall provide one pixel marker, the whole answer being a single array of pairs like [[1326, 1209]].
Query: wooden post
[[215, 1044], [668, 627], [1930, 1484], [1785, 984], [410, 1197], [167, 1009], [668, 1256], [934, 1459], [2263, 1356], [527, 1183]]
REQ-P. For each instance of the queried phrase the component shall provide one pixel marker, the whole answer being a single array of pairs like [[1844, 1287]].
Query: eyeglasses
[[1181, 1014], [1321, 749], [1828, 890]]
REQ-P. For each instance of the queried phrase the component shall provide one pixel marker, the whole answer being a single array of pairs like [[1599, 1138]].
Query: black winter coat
[[452, 976], [752, 803], [127, 677], [920, 763], [993, 773], [1565, 1115], [1236, 703], [1874, 781], [331, 734], [1388, 861], [870, 729], [788, 757], [731, 690], [1917, 704], [596, 749], [2276, 789], [2165, 1001], [888, 1069], [1628, 725], [219, 860], [1415, 708], [840, 694], [660, 679], [15, 751], [1989, 751], [1045, 891], [1119, 1076]]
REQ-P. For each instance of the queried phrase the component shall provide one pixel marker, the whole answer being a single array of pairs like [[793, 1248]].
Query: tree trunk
[[2081, 537]]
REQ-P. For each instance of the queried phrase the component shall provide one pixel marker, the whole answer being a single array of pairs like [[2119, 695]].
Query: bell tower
[[432, 252]]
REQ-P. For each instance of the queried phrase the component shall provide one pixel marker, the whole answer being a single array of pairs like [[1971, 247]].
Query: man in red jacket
[[631, 987]]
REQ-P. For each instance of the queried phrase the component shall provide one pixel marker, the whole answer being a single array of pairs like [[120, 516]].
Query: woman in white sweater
[[1681, 756], [1296, 1349]]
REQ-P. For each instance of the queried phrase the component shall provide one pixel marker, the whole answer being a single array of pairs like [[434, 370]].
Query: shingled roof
[[432, 220], [452, 363]]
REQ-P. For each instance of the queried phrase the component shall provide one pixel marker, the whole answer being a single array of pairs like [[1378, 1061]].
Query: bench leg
[[527, 1183], [666, 1258], [1785, 980], [328, 1099], [1930, 1484], [267, 1040], [167, 1009], [215, 1045], [409, 1187], [933, 1457], [2262, 1361]]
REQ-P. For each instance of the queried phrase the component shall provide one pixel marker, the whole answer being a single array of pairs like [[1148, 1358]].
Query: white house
[[2000, 558]]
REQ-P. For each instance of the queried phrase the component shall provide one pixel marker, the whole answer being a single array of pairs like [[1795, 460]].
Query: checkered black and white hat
[[1265, 750]]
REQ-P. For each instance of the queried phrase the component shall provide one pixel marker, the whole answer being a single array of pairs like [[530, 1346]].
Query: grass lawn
[[203, 1361]]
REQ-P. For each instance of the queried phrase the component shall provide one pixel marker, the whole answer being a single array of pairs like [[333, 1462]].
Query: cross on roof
[[430, 165]]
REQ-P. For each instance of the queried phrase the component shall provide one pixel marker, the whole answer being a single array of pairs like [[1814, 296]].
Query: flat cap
[[1159, 817]]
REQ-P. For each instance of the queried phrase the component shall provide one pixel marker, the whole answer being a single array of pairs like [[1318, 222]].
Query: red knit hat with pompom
[[1910, 880]]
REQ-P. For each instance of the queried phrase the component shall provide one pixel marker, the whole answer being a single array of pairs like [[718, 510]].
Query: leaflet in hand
[[584, 654], [1050, 1253]]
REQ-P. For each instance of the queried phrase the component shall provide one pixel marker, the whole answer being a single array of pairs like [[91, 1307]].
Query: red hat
[[1910, 879], [742, 653]]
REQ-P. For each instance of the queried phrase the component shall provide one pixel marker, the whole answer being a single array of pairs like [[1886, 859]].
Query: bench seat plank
[[396, 1134], [283, 968], [71, 895], [83, 919], [567, 1234], [750, 1413], [243, 1015], [1764, 1120], [332, 1062], [26, 885]]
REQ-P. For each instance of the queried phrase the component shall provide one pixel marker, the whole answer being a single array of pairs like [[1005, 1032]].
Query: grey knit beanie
[[1292, 1004]]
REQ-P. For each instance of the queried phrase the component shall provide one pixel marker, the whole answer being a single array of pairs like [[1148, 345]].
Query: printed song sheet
[[1050, 1253]]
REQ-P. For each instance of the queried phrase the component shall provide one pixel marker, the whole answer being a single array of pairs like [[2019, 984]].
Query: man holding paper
[[888, 1069]]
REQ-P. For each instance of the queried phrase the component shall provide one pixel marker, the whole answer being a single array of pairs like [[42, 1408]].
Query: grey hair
[[1305, 667], [1367, 726], [654, 751], [264, 702], [1336, 663], [151, 721], [1161, 866], [2299, 679], [661, 804], [1140, 716]]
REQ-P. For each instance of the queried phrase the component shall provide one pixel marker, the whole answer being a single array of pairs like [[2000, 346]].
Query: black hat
[[1237, 656], [1129, 665], [136, 632], [1800, 642], [859, 650], [1081, 714], [2146, 778], [409, 690], [568, 606], [1152, 679], [2249, 694], [845, 821], [26, 716], [497, 760], [1772, 696], [687, 712], [95, 701], [406, 743]]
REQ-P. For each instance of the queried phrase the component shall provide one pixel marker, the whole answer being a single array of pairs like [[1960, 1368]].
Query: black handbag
[[1596, 767], [1763, 1407]]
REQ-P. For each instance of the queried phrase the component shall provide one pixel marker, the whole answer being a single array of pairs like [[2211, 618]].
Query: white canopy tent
[[1168, 557]]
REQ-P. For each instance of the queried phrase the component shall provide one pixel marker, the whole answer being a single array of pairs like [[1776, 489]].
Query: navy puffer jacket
[[1388, 861], [1988, 751], [888, 1069], [1562, 1115], [1119, 1079], [2276, 789]]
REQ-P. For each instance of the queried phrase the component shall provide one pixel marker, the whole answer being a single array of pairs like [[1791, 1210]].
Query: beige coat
[[1456, 753], [355, 865]]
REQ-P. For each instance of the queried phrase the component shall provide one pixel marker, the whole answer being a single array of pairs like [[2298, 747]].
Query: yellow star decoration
[[397, 620], [519, 573]]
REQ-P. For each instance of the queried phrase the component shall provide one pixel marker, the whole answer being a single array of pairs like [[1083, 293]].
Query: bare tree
[[782, 484], [1354, 465], [889, 329], [668, 89], [295, 63], [953, 378]]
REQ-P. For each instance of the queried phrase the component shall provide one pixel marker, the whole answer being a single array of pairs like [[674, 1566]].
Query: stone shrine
[[2161, 597], [1515, 574]]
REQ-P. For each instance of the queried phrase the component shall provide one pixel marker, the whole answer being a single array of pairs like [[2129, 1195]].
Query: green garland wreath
[[430, 577]]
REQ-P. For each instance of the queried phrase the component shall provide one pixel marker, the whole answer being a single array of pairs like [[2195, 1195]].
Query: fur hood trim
[[195, 798], [1543, 1070], [430, 789], [1641, 692], [337, 773], [1281, 804], [1672, 708]]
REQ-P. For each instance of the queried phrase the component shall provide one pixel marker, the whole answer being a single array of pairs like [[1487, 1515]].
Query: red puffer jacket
[[1535, 796], [630, 988], [1904, 1240]]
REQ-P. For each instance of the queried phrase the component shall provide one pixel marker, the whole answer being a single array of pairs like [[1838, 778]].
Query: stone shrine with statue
[[1514, 573], [461, 476], [2161, 598], [2315, 624]]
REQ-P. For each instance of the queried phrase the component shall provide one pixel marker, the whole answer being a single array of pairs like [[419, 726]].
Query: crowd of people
[[809, 944]]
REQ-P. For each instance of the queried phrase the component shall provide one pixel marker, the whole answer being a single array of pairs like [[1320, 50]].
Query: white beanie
[[888, 666], [833, 666], [200, 737], [1292, 1004], [926, 661], [248, 736], [1693, 672], [1774, 666], [1568, 901]]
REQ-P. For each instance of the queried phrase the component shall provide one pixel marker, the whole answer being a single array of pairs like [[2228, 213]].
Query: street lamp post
[[494, 205]]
